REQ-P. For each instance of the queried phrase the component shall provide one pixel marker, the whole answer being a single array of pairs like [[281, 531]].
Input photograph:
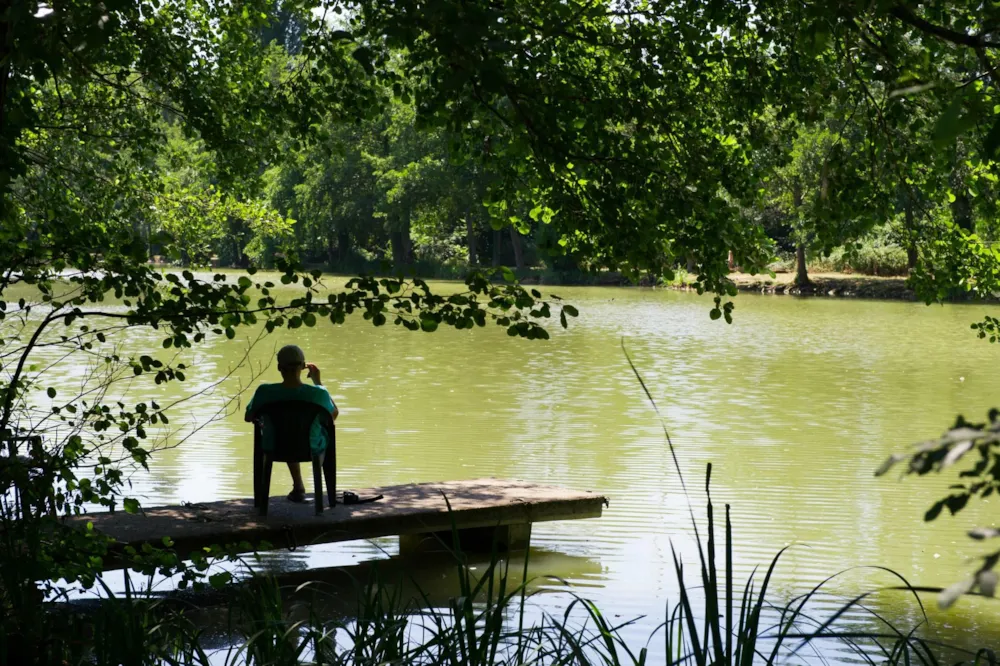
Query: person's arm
[[314, 375]]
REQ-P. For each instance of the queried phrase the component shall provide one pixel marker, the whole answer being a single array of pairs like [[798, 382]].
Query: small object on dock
[[354, 498], [473, 508]]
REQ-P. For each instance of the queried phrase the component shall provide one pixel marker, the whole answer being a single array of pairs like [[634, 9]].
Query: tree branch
[[908, 16]]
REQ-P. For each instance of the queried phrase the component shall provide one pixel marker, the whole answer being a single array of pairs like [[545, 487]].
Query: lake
[[795, 404]]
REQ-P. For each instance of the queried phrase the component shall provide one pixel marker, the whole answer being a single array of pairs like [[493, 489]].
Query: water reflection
[[795, 404]]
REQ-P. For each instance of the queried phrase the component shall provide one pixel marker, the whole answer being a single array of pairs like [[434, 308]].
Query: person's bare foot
[[297, 495]]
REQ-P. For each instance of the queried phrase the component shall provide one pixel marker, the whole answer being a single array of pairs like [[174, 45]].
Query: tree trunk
[[6, 25], [961, 212], [343, 245], [402, 245], [961, 207], [407, 240], [497, 240], [911, 242], [470, 238], [515, 241], [801, 275], [396, 240]]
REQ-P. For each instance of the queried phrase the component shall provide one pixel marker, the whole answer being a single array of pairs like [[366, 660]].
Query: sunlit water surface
[[795, 404]]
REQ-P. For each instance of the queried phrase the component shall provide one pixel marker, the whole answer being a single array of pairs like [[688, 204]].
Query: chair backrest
[[292, 421]]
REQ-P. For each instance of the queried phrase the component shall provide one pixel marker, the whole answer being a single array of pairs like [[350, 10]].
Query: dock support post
[[506, 538]]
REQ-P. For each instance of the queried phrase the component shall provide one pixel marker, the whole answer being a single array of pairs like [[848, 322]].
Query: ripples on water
[[795, 404]]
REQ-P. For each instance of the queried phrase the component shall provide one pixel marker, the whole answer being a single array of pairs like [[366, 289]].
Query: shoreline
[[840, 285], [829, 285], [822, 284]]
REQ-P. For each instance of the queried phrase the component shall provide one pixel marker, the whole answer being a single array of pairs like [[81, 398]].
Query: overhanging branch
[[908, 16]]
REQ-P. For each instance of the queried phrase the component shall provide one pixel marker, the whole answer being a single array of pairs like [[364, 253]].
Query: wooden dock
[[486, 512]]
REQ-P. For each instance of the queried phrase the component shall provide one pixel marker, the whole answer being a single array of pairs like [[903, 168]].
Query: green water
[[795, 404]]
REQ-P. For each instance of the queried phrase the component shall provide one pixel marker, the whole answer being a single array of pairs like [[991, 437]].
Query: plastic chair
[[292, 421]]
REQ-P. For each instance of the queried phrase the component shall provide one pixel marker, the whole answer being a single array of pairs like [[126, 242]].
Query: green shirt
[[268, 393]]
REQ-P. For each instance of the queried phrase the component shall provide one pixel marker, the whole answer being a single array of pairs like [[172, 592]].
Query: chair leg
[[330, 472], [318, 483], [265, 485], [258, 467]]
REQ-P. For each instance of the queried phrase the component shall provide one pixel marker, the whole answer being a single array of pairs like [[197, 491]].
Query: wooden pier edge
[[486, 512]]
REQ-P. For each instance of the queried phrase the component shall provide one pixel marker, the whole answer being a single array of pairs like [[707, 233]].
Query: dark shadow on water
[[418, 582]]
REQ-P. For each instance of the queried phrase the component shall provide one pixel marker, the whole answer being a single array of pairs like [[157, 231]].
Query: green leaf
[[230, 333], [570, 310], [131, 505], [363, 55], [51, 392], [991, 144], [309, 319], [951, 123], [428, 325], [220, 580]]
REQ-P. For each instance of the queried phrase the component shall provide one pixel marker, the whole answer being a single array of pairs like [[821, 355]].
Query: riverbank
[[829, 284], [826, 284], [844, 285]]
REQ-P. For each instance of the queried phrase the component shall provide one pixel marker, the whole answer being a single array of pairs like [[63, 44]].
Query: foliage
[[204, 222], [923, 72], [825, 190], [382, 188], [634, 131], [877, 253]]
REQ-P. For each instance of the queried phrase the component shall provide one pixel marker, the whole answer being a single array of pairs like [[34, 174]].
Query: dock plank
[[405, 509]]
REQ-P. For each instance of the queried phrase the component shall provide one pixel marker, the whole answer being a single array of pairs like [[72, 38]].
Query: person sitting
[[291, 363]]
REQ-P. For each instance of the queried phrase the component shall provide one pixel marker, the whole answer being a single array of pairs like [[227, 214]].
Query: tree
[[928, 73], [827, 190]]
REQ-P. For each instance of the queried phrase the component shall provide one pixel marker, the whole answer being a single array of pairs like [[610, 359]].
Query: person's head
[[291, 361]]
